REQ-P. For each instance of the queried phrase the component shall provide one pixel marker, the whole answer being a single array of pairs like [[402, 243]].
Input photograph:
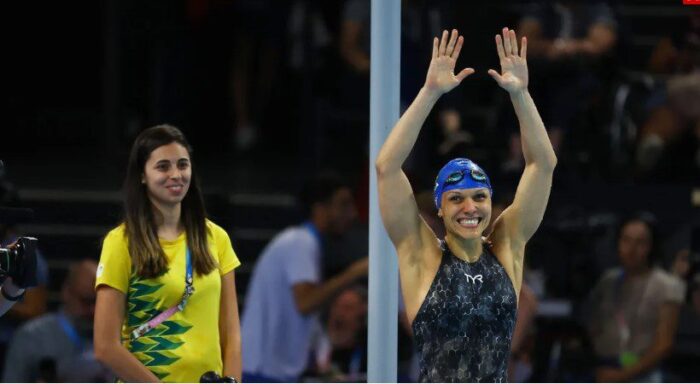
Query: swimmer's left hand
[[514, 75]]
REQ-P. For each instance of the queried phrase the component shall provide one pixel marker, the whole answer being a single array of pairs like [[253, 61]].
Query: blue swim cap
[[459, 173]]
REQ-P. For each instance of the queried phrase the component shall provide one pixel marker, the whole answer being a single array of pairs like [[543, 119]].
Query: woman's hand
[[514, 76], [441, 78]]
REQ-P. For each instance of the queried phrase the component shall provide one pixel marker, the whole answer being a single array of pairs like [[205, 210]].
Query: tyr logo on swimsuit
[[473, 279]]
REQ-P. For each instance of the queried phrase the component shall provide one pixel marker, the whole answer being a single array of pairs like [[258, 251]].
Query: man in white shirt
[[287, 290]]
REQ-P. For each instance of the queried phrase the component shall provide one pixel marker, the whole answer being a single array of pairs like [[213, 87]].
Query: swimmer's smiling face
[[466, 213]]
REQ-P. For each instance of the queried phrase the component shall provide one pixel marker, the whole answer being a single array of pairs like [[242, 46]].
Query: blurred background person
[[341, 351], [670, 131], [570, 43], [421, 20], [682, 364], [258, 30], [57, 347], [634, 309], [33, 301], [287, 289]]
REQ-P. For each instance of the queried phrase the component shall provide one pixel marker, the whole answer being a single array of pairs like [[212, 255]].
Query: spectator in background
[[681, 265], [567, 40], [258, 32], [634, 309], [421, 20], [58, 346], [287, 289], [678, 53], [671, 133], [34, 301], [342, 351], [683, 363]]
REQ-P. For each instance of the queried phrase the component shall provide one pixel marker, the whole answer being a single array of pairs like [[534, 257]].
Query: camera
[[213, 377], [19, 262]]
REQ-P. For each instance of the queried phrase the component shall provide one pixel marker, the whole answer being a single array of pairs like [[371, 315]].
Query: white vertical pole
[[385, 57]]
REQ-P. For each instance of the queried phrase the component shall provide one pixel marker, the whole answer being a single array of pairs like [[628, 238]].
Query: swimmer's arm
[[520, 221], [399, 210], [523, 217]]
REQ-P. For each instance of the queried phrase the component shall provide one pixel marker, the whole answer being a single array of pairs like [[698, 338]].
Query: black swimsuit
[[464, 327]]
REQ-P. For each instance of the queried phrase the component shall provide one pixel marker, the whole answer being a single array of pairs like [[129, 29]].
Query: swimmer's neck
[[466, 249]]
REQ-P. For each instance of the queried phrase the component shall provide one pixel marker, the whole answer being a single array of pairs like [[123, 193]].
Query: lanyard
[[70, 330], [355, 365], [314, 231], [622, 323], [154, 322]]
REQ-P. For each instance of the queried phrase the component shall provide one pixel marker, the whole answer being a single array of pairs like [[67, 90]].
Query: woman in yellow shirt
[[166, 298]]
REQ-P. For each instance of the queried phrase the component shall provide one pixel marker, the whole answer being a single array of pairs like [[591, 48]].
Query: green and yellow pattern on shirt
[[187, 344]]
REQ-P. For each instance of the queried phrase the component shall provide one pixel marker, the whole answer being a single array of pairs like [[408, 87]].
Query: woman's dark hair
[[649, 220], [319, 189], [147, 256]]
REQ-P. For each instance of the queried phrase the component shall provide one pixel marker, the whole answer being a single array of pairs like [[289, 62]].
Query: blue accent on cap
[[473, 176]]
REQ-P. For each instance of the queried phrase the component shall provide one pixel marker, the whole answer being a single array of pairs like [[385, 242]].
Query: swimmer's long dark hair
[[147, 257]]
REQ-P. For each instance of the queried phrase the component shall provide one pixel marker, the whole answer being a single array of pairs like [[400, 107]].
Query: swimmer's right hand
[[441, 78]]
